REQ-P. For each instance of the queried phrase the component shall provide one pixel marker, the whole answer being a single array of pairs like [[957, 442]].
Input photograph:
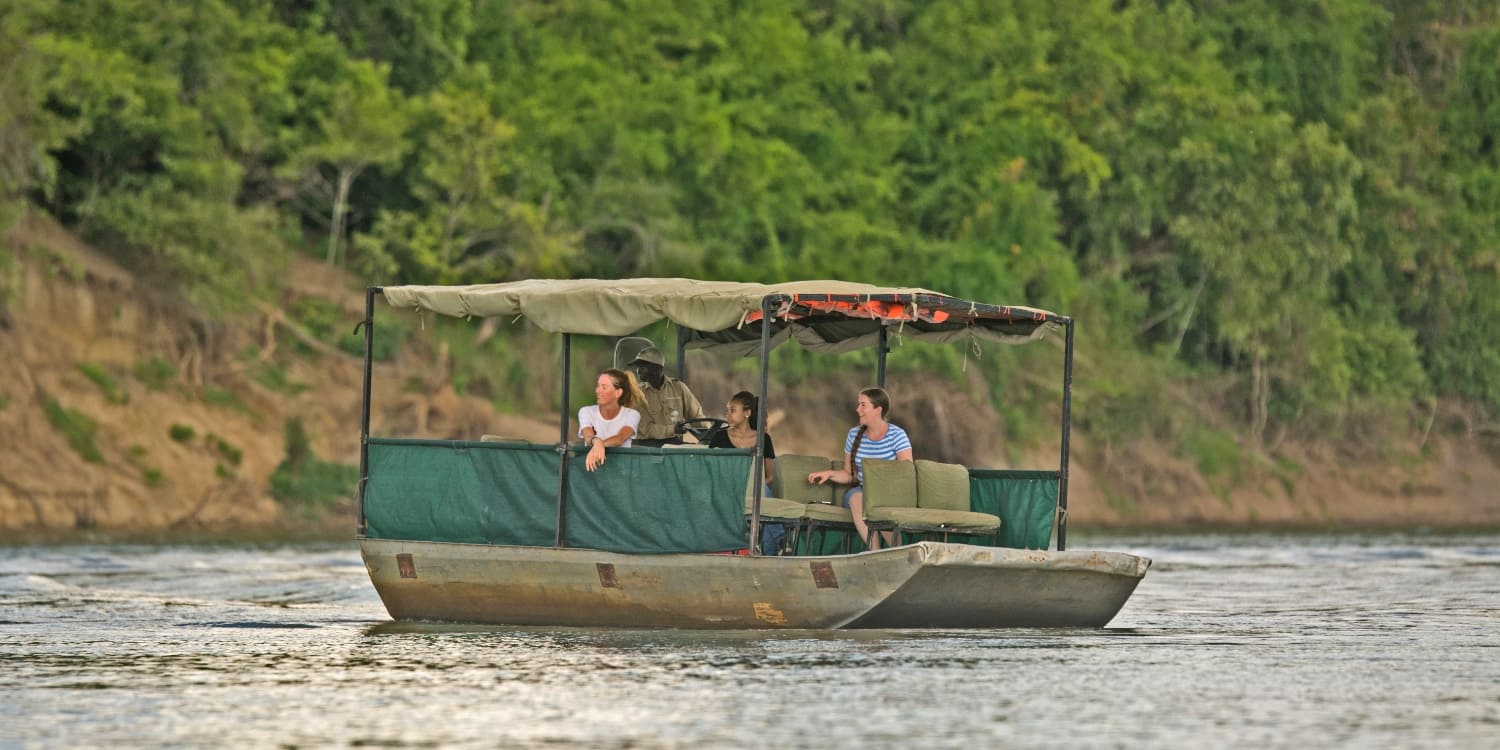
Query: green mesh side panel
[[1025, 501], [659, 500], [643, 500], [458, 491]]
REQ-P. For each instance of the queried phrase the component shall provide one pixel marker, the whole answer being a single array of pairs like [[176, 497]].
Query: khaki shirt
[[665, 407]]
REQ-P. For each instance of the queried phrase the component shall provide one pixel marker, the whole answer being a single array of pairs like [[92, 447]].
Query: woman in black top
[[743, 414]]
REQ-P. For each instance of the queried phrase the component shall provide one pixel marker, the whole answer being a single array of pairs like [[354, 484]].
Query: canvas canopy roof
[[723, 316]]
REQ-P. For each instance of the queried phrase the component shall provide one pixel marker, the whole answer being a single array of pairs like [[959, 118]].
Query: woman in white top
[[873, 437], [611, 421]]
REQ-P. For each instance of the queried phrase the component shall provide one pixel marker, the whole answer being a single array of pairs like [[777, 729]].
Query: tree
[[364, 126], [465, 225], [28, 130]]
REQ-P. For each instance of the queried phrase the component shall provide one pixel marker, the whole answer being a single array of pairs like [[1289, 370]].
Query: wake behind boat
[[512, 532]]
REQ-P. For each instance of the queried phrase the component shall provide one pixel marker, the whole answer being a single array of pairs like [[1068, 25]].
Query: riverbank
[[125, 410]]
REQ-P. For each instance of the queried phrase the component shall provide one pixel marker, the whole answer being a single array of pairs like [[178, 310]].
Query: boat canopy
[[824, 316]]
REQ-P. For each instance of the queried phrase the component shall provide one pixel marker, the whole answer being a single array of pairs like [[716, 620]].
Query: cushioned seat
[[828, 513], [820, 511], [922, 497], [958, 521], [777, 508]]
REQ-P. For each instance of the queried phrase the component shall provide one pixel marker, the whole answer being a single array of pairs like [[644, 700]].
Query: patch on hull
[[769, 614], [607, 575], [823, 577]]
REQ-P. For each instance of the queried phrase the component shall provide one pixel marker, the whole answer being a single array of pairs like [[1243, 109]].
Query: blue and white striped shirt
[[887, 447]]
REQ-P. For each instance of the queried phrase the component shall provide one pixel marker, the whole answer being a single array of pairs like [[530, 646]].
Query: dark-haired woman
[[743, 415], [873, 437]]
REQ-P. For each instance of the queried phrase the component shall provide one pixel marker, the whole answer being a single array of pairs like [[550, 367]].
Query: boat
[[512, 532]]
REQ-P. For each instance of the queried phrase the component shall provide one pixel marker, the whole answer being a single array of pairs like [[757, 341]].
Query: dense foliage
[[1291, 203]]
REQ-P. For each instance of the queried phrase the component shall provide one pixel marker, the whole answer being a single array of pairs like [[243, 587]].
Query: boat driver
[[668, 400]]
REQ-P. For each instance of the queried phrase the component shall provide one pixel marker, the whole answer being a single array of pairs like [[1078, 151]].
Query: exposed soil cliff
[[122, 408]]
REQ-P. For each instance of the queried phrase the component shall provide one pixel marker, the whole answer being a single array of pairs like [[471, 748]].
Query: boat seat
[[820, 508], [922, 497], [773, 509]]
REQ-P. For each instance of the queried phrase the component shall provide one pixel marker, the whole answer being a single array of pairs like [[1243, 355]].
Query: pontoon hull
[[923, 585]]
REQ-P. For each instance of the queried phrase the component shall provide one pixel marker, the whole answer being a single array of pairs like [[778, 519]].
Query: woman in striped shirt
[[873, 437]]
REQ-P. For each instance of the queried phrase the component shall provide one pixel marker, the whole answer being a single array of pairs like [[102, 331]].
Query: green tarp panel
[[659, 500], [643, 500], [1025, 501]]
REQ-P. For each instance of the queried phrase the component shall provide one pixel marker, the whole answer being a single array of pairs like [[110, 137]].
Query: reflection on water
[[1236, 640]]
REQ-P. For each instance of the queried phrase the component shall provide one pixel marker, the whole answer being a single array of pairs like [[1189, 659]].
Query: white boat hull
[[923, 585]]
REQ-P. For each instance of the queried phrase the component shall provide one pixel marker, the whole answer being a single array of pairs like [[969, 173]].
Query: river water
[[1232, 640]]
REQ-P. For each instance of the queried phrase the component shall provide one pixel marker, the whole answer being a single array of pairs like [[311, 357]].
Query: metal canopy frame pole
[[1067, 418], [562, 443], [881, 348], [364, 407], [757, 463], [682, 337]]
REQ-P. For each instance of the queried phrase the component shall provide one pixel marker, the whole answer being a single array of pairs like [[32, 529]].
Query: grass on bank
[[77, 427], [106, 382], [309, 483]]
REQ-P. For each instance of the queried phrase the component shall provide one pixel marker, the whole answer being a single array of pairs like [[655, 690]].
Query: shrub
[[274, 377], [156, 373], [225, 449], [76, 427], [180, 433], [105, 381], [304, 479], [225, 398]]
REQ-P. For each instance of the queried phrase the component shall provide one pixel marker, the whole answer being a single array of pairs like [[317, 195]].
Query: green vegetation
[[1217, 454], [151, 475], [224, 448], [10, 282], [1289, 209], [275, 378], [304, 480], [1220, 460], [223, 397], [77, 427], [156, 373], [180, 433], [105, 381]]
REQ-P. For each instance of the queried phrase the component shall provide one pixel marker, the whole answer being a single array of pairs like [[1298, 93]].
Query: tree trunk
[[340, 211], [1259, 397]]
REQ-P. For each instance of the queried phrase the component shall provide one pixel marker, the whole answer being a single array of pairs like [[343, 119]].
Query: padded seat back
[[890, 484], [790, 473], [942, 486]]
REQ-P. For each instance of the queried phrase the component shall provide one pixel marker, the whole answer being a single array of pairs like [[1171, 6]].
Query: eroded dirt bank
[[123, 408]]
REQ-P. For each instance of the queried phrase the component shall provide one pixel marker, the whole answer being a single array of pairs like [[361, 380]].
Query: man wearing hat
[[668, 401]]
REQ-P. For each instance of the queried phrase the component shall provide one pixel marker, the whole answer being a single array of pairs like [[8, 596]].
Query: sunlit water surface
[[1232, 640]]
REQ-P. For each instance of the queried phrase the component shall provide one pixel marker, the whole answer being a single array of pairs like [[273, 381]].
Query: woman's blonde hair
[[625, 381]]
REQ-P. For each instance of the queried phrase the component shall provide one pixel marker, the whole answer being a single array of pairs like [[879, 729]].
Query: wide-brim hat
[[652, 355]]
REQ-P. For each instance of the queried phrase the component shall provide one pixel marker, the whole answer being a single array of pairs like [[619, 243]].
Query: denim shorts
[[851, 491]]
